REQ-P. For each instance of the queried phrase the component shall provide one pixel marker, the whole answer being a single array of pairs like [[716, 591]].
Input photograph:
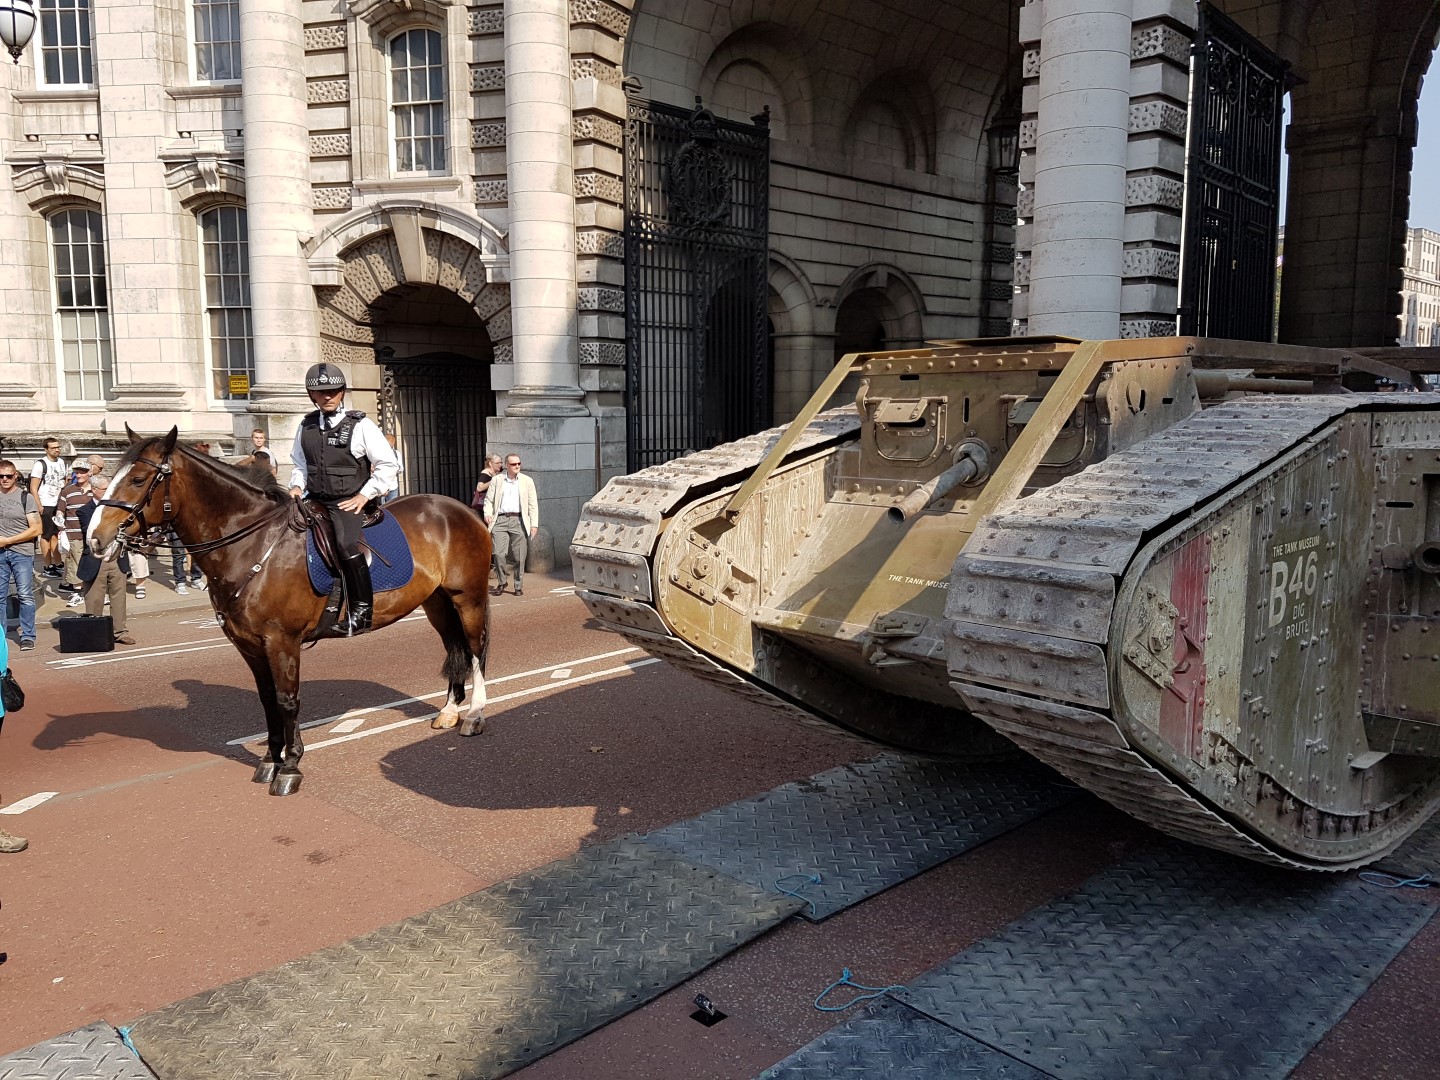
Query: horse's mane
[[255, 476]]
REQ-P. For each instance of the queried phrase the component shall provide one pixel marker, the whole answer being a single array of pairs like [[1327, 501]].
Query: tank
[[1199, 578]]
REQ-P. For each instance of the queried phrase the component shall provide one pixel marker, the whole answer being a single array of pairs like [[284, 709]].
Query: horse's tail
[[485, 648], [456, 668]]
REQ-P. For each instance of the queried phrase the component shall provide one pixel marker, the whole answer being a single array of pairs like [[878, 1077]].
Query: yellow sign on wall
[[239, 385]]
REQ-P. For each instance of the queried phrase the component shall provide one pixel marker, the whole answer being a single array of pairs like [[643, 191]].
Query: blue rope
[[845, 980], [124, 1034], [810, 879], [1391, 881]]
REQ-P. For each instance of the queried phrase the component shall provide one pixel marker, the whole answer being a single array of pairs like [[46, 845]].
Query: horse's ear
[[133, 437], [169, 443]]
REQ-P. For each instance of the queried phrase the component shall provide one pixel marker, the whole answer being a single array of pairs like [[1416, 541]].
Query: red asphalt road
[[158, 870]]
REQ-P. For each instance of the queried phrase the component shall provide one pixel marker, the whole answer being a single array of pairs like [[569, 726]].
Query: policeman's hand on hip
[[354, 504]]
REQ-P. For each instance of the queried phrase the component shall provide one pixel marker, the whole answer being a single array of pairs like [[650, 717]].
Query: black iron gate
[[1232, 184], [436, 406], [696, 241]]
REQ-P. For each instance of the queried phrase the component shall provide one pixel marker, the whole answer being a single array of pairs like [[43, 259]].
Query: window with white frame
[[417, 101], [217, 40], [65, 43], [82, 307], [224, 236]]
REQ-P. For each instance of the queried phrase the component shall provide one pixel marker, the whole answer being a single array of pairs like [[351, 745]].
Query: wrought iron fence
[[1232, 184], [437, 405], [696, 243]]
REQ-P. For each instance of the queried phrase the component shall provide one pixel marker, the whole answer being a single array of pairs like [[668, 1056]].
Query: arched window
[[217, 40], [65, 43], [82, 306], [225, 237], [417, 101]]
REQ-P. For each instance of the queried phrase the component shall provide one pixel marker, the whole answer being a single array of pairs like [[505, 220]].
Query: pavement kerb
[[161, 597]]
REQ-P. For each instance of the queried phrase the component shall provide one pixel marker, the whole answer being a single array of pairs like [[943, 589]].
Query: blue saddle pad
[[387, 544]]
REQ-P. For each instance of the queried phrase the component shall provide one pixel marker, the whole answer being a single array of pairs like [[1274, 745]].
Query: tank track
[[1060, 542], [620, 526]]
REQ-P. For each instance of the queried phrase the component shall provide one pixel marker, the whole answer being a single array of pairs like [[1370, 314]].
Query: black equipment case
[[86, 633]]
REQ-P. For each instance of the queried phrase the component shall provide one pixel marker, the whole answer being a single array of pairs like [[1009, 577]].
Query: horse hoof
[[472, 727], [445, 721], [285, 783], [264, 773]]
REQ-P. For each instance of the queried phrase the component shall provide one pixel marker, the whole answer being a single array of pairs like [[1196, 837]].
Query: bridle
[[149, 534]]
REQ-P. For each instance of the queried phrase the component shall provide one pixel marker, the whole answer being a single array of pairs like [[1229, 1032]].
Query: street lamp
[[17, 25]]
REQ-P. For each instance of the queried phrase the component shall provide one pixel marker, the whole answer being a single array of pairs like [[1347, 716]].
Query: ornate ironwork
[[696, 248], [1227, 283], [698, 178]]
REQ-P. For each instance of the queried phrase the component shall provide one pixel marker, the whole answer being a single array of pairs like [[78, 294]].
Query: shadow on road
[[211, 715], [642, 750]]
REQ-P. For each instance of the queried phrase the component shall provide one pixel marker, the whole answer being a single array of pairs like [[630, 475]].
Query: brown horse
[[248, 535]]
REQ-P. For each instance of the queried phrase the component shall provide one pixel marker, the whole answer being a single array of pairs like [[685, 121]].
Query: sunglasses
[[8, 475]]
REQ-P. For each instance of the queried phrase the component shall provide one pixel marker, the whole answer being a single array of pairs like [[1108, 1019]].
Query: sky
[[1424, 191]]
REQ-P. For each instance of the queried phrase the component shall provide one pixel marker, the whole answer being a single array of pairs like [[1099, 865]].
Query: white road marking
[[169, 650], [561, 673], [350, 714], [346, 726], [631, 666], [563, 589], [29, 803]]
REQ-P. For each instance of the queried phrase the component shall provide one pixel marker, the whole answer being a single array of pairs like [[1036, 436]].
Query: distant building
[[1420, 293]]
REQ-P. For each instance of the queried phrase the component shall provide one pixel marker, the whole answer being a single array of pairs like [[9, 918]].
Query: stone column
[[152, 332], [540, 178], [544, 415], [277, 193], [1081, 128]]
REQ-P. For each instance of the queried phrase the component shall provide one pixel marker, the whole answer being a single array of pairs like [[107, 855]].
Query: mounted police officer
[[343, 461]]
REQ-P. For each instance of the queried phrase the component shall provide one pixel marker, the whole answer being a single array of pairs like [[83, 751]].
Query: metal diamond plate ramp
[[893, 1041], [864, 827], [1178, 963], [1416, 856], [88, 1053], [476, 988]]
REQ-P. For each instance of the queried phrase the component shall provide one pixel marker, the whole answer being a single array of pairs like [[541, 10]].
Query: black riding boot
[[360, 595]]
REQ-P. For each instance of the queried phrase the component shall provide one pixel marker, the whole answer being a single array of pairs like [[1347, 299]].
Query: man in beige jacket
[[512, 510]]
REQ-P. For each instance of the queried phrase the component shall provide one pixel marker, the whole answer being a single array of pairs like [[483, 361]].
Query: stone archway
[[389, 265], [414, 314]]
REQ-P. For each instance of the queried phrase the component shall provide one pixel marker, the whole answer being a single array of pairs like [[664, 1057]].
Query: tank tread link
[[1173, 475]]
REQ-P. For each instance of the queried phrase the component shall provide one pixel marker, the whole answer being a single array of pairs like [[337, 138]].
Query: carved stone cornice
[[57, 181]]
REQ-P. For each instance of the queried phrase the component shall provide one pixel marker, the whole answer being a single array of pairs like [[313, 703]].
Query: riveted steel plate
[[89, 1053], [864, 827], [891, 1040], [475, 988], [1177, 963], [1420, 854]]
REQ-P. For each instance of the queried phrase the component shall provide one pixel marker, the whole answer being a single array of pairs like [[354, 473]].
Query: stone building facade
[[207, 195], [1420, 295]]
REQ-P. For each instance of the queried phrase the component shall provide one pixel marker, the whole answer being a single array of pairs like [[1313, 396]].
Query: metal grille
[[436, 406], [1232, 184], [696, 241]]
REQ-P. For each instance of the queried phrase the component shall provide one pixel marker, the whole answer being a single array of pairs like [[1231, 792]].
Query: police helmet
[[324, 377]]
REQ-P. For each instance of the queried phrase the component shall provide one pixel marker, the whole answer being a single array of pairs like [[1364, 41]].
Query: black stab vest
[[332, 471]]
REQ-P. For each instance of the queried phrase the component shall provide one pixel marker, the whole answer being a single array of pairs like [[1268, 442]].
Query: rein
[[148, 533]]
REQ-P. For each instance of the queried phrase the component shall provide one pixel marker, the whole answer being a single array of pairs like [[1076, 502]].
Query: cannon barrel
[[972, 460]]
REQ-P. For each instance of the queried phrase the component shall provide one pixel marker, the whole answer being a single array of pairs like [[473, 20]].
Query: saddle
[[316, 517]]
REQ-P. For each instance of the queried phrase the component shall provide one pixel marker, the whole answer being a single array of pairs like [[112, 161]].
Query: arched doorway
[[434, 354]]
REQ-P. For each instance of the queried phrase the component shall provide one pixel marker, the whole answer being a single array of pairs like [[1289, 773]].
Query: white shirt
[[367, 441], [509, 496], [51, 475]]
